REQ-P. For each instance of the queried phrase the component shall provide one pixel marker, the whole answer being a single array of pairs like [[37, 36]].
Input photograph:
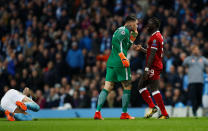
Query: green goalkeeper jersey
[[120, 43]]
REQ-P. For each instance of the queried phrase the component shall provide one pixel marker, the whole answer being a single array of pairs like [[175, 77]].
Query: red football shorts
[[154, 74]]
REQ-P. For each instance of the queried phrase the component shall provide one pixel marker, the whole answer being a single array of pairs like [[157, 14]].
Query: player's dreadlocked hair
[[130, 18], [156, 21]]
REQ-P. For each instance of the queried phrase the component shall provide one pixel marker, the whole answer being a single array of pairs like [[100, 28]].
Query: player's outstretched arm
[[151, 57], [139, 48], [143, 50]]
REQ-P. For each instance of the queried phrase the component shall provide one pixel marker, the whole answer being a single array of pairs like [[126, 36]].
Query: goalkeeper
[[118, 69]]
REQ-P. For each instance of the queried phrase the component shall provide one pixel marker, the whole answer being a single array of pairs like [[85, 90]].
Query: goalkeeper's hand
[[124, 60]]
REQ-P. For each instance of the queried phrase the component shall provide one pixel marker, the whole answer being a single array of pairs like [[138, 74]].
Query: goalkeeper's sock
[[125, 100], [101, 99], [32, 106], [22, 117], [158, 99], [146, 97]]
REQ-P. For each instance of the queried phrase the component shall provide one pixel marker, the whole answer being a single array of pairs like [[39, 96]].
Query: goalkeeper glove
[[124, 60], [133, 36]]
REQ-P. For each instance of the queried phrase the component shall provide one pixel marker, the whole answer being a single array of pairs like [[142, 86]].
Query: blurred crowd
[[59, 48]]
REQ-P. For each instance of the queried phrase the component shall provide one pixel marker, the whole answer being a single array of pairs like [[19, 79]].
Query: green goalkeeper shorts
[[118, 74]]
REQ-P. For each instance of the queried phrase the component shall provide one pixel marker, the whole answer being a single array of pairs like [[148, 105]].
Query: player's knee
[[107, 88], [127, 88], [154, 86], [126, 85], [36, 107], [108, 85], [140, 86], [152, 89]]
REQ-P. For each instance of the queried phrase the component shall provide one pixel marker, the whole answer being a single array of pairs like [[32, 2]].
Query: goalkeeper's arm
[[136, 40]]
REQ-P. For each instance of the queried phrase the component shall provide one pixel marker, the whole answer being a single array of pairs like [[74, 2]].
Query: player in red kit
[[152, 70]]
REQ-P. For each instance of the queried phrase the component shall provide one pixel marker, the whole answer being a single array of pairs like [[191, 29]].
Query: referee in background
[[196, 65]]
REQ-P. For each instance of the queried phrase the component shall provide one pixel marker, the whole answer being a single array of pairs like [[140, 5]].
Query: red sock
[[147, 98], [158, 99]]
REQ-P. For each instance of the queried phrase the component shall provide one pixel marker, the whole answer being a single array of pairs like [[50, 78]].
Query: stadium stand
[[59, 48]]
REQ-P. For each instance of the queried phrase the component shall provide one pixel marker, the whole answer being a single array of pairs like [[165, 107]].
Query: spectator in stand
[[75, 59], [171, 76], [94, 98], [106, 42], [65, 101], [84, 98], [76, 99], [179, 78], [52, 100], [49, 74], [86, 41], [178, 98], [168, 98], [40, 100]]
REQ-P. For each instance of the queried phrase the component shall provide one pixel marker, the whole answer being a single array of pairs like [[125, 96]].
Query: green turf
[[173, 124]]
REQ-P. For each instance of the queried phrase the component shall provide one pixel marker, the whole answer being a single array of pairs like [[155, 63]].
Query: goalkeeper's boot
[[151, 112], [21, 105], [10, 116], [163, 117], [126, 116], [98, 116]]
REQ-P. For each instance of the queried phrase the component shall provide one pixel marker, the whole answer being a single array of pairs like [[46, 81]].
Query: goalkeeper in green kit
[[118, 67]]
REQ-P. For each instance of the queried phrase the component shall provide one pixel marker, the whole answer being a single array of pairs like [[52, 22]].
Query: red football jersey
[[156, 42]]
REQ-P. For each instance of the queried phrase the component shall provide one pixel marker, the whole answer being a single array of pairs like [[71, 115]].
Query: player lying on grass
[[118, 69], [15, 104], [154, 66]]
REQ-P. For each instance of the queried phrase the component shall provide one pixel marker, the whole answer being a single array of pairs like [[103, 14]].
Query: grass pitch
[[113, 124]]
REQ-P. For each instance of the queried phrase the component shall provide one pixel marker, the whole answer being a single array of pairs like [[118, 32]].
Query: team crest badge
[[123, 32]]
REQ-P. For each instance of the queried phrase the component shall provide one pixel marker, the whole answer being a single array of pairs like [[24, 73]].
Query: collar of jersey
[[155, 32]]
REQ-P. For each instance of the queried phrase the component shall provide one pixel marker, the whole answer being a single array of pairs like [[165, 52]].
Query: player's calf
[[32, 106], [158, 99]]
